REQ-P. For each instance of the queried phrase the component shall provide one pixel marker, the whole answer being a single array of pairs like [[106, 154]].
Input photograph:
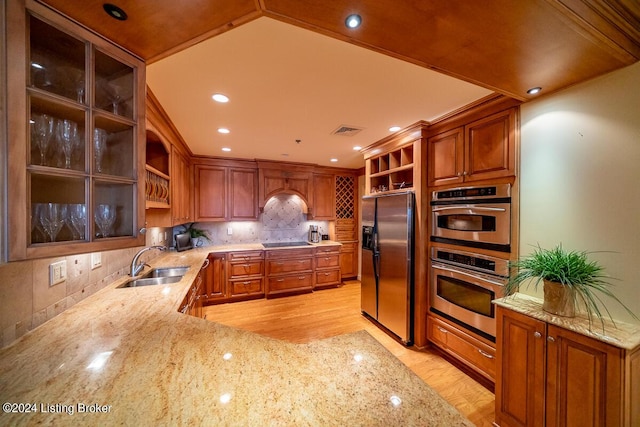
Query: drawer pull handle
[[327, 258], [537, 334], [444, 331], [279, 263], [280, 280], [326, 274], [551, 339], [246, 282], [485, 354], [300, 277]]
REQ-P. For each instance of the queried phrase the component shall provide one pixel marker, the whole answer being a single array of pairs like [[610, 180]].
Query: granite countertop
[[126, 356], [620, 334]]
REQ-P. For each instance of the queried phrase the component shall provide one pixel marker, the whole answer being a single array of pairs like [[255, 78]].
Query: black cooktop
[[284, 244]]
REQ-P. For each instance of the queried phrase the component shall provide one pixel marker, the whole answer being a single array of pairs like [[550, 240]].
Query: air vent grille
[[346, 130]]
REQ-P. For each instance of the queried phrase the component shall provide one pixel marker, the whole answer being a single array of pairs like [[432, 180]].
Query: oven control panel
[[483, 263]]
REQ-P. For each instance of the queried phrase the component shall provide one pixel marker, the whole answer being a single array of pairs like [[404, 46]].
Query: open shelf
[[392, 171]]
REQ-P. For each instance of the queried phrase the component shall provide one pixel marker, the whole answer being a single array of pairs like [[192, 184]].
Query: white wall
[[580, 177]]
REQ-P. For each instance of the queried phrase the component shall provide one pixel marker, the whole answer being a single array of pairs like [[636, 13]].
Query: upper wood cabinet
[[74, 123], [483, 149], [549, 375], [324, 196], [180, 188], [289, 178], [225, 191]]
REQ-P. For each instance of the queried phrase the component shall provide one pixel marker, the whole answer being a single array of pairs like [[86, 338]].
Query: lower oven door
[[464, 297]]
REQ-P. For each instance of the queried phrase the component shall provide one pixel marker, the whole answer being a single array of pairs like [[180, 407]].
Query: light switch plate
[[229, 231], [96, 260], [57, 272]]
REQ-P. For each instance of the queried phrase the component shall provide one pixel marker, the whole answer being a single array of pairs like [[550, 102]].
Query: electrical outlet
[[57, 272], [96, 260], [229, 231]]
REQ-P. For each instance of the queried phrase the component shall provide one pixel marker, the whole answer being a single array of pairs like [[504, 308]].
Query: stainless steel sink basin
[[166, 272], [149, 281]]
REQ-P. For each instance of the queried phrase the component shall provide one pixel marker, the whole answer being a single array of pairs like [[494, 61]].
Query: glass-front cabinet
[[76, 106]]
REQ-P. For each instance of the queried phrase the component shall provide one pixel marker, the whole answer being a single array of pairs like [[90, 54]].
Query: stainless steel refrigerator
[[387, 262]]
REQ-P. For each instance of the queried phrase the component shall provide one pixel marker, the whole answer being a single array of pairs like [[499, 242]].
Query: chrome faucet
[[137, 267]]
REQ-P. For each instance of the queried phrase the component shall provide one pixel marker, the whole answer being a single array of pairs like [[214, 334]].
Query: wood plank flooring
[[331, 312]]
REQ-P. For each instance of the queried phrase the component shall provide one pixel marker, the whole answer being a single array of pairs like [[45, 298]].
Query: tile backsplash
[[283, 220]]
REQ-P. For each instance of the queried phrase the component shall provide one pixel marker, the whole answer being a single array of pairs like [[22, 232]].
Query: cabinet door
[[446, 157], [211, 193], [215, 279], [324, 196], [583, 380], [349, 260], [490, 147], [243, 194], [520, 379], [180, 198]]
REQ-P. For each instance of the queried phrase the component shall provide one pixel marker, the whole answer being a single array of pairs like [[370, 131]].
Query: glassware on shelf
[[37, 231], [99, 146], [42, 130], [77, 220], [113, 93], [52, 218], [68, 138], [105, 217], [74, 79]]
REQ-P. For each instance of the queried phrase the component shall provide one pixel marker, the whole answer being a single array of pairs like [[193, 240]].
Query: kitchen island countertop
[[126, 356]]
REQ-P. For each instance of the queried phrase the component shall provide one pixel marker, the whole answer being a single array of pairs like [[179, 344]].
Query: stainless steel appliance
[[478, 217], [314, 234], [387, 262], [463, 284]]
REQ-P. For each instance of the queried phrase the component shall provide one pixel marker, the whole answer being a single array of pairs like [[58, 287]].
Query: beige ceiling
[[286, 84]]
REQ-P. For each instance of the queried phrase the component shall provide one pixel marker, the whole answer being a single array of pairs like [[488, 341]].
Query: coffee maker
[[314, 235]]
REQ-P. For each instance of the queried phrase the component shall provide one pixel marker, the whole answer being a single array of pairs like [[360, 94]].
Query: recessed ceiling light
[[115, 12], [223, 130], [394, 128], [218, 97], [534, 90], [334, 160], [357, 148], [353, 21], [226, 149]]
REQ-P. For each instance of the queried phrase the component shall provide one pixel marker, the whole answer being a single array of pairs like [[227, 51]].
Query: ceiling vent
[[345, 130]]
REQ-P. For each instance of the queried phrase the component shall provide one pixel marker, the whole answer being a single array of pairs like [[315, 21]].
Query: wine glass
[[114, 94], [41, 131], [77, 220], [52, 217], [68, 137], [105, 217], [100, 146], [36, 225]]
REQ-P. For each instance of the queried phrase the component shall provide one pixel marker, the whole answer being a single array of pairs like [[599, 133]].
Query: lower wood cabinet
[[215, 288], [289, 271], [476, 354], [349, 260], [551, 376], [327, 267], [245, 275]]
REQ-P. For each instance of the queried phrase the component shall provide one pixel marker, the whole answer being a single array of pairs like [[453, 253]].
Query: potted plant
[[196, 234], [569, 278]]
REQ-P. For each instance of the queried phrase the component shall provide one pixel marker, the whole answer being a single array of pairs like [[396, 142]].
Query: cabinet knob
[[551, 339], [485, 354], [537, 334]]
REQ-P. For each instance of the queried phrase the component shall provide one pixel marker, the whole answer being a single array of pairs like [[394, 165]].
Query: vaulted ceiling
[[504, 46]]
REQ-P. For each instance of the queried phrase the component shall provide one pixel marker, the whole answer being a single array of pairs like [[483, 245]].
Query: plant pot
[[559, 299]]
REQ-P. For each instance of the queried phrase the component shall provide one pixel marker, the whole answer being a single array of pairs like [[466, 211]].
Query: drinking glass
[[105, 217], [68, 138], [100, 146], [77, 220], [42, 130], [52, 217], [36, 225]]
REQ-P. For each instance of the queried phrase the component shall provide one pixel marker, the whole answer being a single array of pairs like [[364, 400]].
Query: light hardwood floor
[[331, 312]]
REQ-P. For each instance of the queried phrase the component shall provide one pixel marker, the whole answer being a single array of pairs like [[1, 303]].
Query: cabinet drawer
[[473, 352], [329, 277], [239, 269], [279, 266], [291, 282], [245, 287], [324, 261], [290, 253], [246, 255], [333, 249]]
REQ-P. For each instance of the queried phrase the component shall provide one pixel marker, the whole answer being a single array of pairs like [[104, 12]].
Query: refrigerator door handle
[[376, 262]]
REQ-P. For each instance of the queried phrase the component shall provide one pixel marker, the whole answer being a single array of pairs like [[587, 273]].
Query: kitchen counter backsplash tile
[[283, 220]]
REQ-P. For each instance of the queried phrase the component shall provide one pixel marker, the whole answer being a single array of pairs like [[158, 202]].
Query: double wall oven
[[464, 281]]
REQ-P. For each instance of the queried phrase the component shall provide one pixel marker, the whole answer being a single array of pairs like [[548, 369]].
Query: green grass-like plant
[[569, 268]]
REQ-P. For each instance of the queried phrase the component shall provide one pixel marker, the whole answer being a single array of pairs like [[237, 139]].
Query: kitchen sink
[[149, 281], [166, 272]]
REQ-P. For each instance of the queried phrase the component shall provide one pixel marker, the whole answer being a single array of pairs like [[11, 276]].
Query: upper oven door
[[482, 225]]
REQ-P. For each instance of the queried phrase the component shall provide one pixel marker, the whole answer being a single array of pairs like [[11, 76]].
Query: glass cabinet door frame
[[18, 111]]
